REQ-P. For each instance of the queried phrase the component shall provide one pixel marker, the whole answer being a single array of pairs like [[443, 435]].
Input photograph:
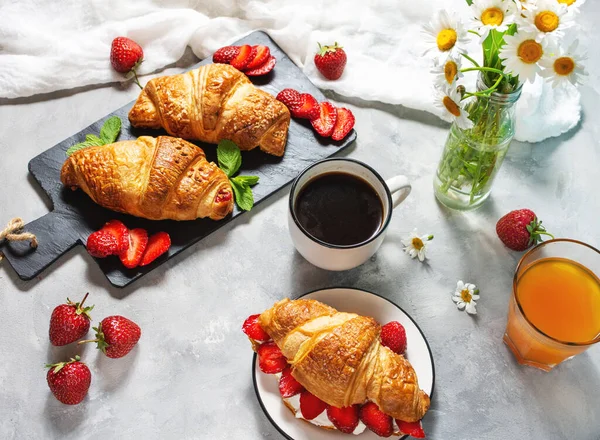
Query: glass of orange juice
[[554, 311]]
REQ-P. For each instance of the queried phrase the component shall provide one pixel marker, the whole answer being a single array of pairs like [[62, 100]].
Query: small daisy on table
[[465, 296], [416, 245]]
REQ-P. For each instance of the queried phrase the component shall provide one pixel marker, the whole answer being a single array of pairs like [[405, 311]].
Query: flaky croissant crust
[[338, 357], [155, 178], [212, 103]]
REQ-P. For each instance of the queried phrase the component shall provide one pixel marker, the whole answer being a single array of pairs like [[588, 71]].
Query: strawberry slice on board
[[344, 419], [310, 405], [261, 55], [225, 54], [288, 385], [120, 232], [414, 429], [309, 108], [241, 60], [325, 123], [264, 68], [138, 241], [270, 358], [253, 329], [157, 245], [344, 123], [376, 420]]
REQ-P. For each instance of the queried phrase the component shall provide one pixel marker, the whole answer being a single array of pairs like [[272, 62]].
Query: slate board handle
[[56, 233]]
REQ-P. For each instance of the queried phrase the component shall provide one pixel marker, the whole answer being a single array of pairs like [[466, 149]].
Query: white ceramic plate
[[363, 303]]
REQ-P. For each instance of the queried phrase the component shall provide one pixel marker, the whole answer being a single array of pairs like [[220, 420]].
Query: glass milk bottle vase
[[472, 157]]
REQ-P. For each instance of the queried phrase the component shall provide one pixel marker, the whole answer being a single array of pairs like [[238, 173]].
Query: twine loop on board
[[13, 232]]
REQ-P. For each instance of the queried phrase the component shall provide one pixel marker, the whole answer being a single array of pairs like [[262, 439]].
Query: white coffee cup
[[343, 257]]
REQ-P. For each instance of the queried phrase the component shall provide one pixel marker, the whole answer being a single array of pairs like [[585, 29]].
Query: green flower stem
[[487, 92], [486, 69], [470, 59]]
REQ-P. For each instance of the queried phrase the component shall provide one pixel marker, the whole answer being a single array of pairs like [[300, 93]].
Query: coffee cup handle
[[400, 188]]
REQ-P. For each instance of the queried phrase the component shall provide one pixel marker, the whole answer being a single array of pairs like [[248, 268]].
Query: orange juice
[[561, 298]]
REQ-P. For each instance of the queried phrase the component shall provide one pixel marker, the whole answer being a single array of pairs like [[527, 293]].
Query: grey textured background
[[190, 376]]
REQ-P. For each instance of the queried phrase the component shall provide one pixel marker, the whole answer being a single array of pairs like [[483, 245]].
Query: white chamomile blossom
[[524, 4], [492, 14], [415, 245], [445, 34], [465, 296], [564, 65], [522, 54], [572, 5], [446, 71], [447, 100], [548, 19]]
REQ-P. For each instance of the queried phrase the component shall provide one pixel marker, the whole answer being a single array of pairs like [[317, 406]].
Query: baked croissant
[[338, 357], [212, 103], [155, 178]]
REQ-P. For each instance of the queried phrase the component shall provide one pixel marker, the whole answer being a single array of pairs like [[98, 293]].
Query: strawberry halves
[[253, 329]]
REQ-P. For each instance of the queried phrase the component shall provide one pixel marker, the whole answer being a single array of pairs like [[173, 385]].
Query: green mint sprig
[[108, 134], [229, 158]]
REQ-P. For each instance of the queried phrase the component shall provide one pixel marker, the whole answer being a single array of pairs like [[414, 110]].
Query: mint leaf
[[229, 157], [248, 180], [243, 194], [81, 146], [93, 139], [110, 130]]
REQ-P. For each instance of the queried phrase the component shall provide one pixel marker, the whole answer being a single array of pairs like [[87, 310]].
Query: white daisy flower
[[447, 71], [564, 65], [524, 4], [573, 6], [492, 14], [465, 296], [447, 100], [415, 245], [521, 55], [445, 34], [548, 19]]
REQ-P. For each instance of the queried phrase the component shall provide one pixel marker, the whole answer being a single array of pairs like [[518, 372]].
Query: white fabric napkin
[[47, 46]]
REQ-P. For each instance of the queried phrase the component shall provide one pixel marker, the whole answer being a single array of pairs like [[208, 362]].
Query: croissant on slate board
[[338, 357], [212, 103], [154, 178]]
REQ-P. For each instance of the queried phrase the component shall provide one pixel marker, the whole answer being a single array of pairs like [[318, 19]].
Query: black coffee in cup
[[339, 208]]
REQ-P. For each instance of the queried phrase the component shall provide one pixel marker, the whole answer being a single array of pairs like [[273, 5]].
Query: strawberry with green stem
[[69, 322], [69, 381], [521, 229], [116, 336]]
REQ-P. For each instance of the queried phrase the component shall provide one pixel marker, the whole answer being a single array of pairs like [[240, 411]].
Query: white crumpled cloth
[[53, 45]]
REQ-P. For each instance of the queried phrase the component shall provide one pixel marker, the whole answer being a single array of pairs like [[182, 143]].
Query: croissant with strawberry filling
[[339, 358]]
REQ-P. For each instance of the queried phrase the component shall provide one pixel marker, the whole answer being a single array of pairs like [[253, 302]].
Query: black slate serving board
[[75, 216]]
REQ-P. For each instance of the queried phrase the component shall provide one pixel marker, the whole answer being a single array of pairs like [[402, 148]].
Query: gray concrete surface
[[190, 376]]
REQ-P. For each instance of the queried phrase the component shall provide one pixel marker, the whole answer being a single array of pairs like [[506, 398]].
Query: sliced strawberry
[[325, 123], [253, 329], [414, 429], [344, 419], [393, 336], [264, 68], [291, 98], [270, 358], [101, 244], [288, 385], [225, 54], [121, 233], [343, 124], [158, 244], [309, 108], [138, 240], [261, 55], [376, 420], [310, 405], [241, 60]]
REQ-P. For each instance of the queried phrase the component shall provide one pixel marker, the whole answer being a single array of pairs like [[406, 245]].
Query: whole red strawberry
[[393, 336], [520, 229], [69, 381], [331, 60], [126, 55], [116, 336], [69, 322]]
